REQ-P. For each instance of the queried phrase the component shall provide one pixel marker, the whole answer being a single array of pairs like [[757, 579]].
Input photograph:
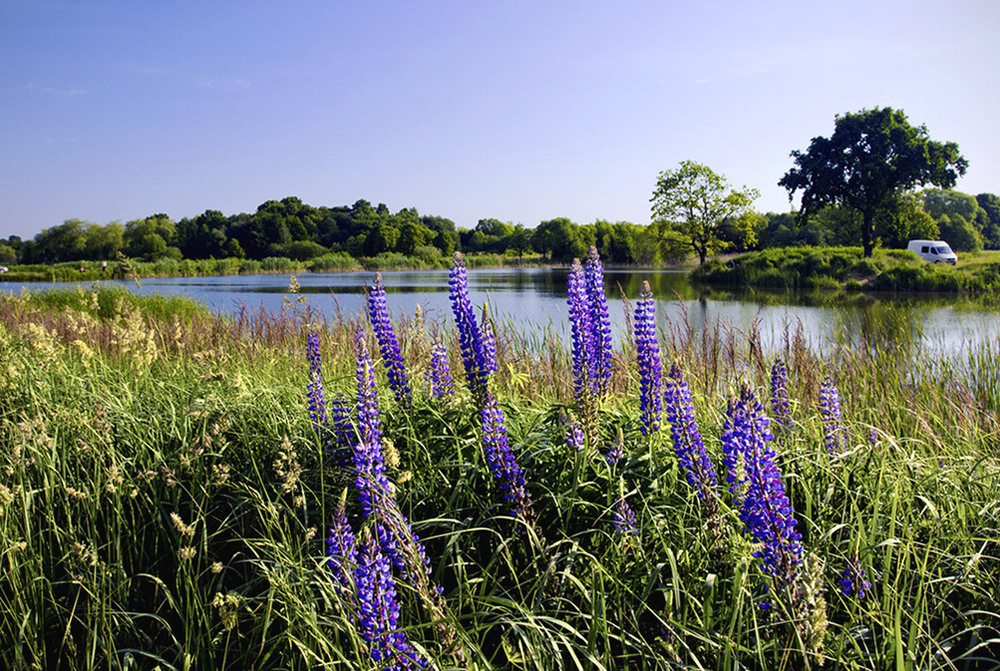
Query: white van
[[935, 251]]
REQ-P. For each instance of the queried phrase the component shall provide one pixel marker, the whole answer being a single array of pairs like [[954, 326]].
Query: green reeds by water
[[165, 500]]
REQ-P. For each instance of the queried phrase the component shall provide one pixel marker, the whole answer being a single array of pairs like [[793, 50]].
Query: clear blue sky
[[519, 111]]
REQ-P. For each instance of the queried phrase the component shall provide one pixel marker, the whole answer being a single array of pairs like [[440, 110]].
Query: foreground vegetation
[[847, 268], [165, 501]]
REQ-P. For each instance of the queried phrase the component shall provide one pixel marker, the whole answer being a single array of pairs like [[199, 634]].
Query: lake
[[534, 299]]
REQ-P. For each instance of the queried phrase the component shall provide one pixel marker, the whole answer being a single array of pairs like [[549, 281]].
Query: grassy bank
[[165, 502], [846, 268], [89, 271]]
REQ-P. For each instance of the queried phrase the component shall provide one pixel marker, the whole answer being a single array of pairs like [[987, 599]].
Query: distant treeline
[[294, 230]]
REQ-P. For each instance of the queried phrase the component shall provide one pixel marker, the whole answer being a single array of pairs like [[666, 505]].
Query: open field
[[165, 501]]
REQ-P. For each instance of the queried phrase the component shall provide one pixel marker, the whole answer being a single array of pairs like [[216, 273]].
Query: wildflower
[[617, 451], [686, 436], [341, 550], [392, 358], [756, 484], [314, 388], [439, 374], [648, 357], [369, 464], [829, 407], [779, 396], [501, 459], [573, 433], [478, 356], [378, 609], [582, 334], [853, 582], [872, 437], [599, 319], [623, 519]]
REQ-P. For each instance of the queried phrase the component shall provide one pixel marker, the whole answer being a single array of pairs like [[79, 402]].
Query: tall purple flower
[[378, 609], [686, 436], [852, 582], [341, 550], [478, 353], [756, 485], [315, 399], [829, 408], [648, 357], [378, 313], [584, 345], [780, 407], [501, 459], [600, 321], [573, 433], [439, 374], [623, 519], [369, 464]]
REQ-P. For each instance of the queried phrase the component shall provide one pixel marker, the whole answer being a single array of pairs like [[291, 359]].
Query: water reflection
[[533, 300]]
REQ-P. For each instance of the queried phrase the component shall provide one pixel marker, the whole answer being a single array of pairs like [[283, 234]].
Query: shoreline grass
[[165, 501]]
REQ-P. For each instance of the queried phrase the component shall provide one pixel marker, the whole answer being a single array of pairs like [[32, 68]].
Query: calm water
[[535, 300]]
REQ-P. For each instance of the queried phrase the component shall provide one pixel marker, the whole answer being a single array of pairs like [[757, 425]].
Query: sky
[[518, 111]]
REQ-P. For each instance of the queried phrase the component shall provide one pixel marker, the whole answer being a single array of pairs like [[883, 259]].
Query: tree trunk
[[867, 232]]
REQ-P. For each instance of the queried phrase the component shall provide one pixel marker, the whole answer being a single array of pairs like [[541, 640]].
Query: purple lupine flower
[[872, 437], [648, 357], [478, 357], [853, 582], [756, 484], [378, 609], [314, 388], [369, 464], [623, 519], [378, 313], [780, 407], [439, 374], [341, 550], [584, 346], [829, 408], [600, 321], [686, 436], [617, 450], [501, 459], [573, 434]]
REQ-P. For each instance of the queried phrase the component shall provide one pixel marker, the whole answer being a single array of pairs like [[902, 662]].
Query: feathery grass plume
[[686, 436], [829, 408], [756, 485], [852, 582], [314, 389], [780, 408], [378, 609], [600, 321], [439, 374], [648, 357], [392, 358]]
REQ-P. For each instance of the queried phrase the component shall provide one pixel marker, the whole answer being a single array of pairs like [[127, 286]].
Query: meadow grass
[[165, 501]]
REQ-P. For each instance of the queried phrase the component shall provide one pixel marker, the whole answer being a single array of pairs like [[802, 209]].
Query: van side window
[[923, 250], [934, 251]]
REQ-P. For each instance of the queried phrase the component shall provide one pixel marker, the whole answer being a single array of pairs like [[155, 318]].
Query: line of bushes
[[846, 268]]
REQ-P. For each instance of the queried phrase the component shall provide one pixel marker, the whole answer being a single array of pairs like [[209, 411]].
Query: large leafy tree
[[872, 157], [695, 205]]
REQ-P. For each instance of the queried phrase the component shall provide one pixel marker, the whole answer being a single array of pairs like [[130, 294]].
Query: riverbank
[[845, 268]]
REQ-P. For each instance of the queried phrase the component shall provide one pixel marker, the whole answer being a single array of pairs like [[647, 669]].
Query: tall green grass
[[165, 502]]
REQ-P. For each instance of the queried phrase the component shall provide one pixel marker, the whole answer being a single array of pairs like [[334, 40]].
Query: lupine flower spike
[[378, 609], [829, 408], [378, 313], [686, 436], [600, 321], [585, 343], [853, 583], [314, 388], [439, 374], [479, 360], [648, 357], [780, 408], [756, 485]]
